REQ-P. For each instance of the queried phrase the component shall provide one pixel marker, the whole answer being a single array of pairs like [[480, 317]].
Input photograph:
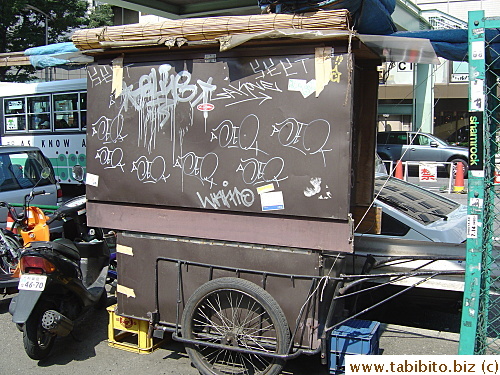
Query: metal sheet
[[136, 277], [279, 231], [240, 133]]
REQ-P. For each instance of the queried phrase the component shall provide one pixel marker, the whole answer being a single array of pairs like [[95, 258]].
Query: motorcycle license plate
[[32, 282]]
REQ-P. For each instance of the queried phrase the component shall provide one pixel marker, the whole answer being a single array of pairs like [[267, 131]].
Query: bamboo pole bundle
[[209, 28]]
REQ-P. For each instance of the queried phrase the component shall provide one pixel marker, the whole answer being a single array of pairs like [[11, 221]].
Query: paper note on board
[[323, 67], [92, 179], [117, 83], [272, 200], [302, 86], [265, 189]]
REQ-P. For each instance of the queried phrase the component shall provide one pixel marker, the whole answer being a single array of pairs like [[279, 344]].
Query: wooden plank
[[370, 217]]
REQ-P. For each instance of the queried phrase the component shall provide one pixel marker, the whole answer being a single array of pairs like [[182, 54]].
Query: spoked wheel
[[37, 341], [235, 312], [9, 261]]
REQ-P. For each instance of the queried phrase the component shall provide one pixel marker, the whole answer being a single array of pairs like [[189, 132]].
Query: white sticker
[[272, 201], [265, 189], [11, 123], [296, 84], [427, 172], [92, 179], [477, 49], [477, 95], [129, 292], [309, 88], [122, 249], [476, 202], [472, 225], [302, 86]]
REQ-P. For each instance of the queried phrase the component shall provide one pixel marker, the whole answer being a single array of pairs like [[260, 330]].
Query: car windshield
[[419, 204], [22, 170]]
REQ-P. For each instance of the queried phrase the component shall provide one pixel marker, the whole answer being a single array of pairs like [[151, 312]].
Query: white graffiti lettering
[[247, 91], [108, 131], [99, 75], [243, 137], [150, 171], [309, 138], [315, 189], [231, 198], [201, 167], [110, 158], [254, 171], [156, 98]]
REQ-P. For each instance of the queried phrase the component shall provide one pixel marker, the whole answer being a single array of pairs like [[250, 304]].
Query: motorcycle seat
[[62, 246]]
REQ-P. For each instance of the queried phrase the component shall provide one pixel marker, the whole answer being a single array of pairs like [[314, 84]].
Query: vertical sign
[[476, 156], [476, 187]]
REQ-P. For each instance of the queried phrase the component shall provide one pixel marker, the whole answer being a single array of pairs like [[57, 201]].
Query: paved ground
[[87, 352]]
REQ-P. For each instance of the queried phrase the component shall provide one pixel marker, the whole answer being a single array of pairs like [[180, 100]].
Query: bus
[[51, 116]]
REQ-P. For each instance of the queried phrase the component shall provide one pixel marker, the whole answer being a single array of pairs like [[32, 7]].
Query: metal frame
[[344, 292], [481, 196]]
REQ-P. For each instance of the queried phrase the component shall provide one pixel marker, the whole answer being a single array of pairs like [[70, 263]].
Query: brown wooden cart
[[232, 178]]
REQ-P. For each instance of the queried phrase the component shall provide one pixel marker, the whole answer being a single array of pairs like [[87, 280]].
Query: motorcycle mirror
[[78, 173], [45, 173]]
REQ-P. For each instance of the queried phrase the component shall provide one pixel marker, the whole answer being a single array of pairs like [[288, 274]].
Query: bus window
[[15, 118], [38, 112], [65, 121], [66, 111], [83, 110], [23, 119], [14, 106]]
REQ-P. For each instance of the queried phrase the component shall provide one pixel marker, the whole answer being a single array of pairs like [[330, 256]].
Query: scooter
[[30, 224], [60, 280]]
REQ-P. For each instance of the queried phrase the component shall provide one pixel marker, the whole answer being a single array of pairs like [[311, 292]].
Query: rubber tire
[[465, 164], [259, 295], [102, 303], [32, 328], [13, 242]]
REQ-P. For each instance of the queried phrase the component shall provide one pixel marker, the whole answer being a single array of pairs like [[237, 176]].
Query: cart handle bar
[[243, 350]]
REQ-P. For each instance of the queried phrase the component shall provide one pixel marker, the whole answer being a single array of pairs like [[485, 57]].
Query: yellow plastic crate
[[130, 334]]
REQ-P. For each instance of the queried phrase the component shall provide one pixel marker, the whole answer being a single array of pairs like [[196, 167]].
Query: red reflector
[[59, 193], [34, 264]]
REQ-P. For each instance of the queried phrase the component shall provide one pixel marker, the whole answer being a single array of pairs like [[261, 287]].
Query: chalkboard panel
[[269, 135]]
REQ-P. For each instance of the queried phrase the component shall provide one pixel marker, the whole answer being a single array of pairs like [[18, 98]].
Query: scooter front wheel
[[37, 341]]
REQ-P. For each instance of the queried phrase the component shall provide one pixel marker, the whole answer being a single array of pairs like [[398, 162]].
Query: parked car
[[20, 172], [460, 137], [415, 146], [415, 223]]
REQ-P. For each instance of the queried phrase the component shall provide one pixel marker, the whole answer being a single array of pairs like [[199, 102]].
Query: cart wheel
[[235, 312]]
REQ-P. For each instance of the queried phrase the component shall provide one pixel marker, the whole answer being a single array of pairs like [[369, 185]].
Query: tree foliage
[[101, 15], [22, 27]]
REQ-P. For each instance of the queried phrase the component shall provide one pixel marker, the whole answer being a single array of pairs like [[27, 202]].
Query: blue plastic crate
[[355, 337]]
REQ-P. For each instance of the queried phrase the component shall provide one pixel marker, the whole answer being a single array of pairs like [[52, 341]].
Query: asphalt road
[[86, 351]]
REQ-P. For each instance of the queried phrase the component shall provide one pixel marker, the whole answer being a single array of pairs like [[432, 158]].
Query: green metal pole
[[475, 219]]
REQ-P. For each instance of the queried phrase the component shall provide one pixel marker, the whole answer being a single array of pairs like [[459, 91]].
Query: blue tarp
[[41, 57], [369, 16], [452, 44], [373, 17]]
